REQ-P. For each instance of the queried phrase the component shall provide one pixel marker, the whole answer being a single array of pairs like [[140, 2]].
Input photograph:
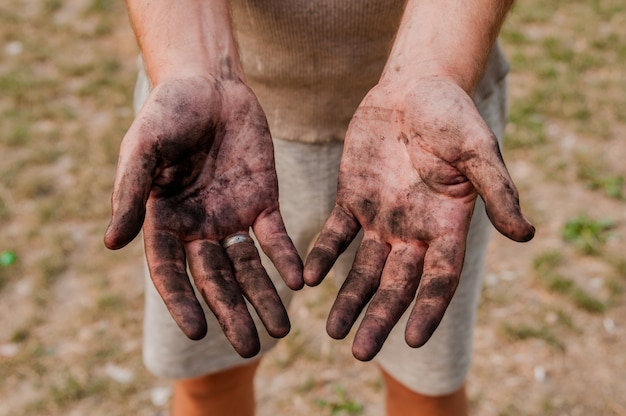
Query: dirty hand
[[414, 161], [198, 165]]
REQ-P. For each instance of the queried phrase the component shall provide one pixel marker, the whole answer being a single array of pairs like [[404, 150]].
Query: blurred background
[[551, 336]]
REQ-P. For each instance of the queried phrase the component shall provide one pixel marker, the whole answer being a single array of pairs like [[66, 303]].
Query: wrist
[[446, 39], [426, 67], [162, 68], [185, 39]]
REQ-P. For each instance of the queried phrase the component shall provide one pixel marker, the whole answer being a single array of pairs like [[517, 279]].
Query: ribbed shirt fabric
[[311, 62]]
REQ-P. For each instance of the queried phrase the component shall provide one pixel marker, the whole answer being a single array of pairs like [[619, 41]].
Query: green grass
[[110, 304], [587, 302], [100, 6], [340, 404], [561, 55], [522, 332], [5, 211], [548, 261], [592, 169], [587, 234], [21, 335], [69, 388], [547, 271]]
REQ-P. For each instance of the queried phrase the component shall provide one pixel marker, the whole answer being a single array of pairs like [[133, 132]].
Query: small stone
[[13, 48], [119, 374], [160, 395], [539, 373], [609, 325], [491, 279], [9, 350]]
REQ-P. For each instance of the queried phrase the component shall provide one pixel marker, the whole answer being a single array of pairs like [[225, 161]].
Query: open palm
[[414, 161], [197, 164]]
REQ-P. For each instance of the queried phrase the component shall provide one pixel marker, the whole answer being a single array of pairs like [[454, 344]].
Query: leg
[[401, 401], [229, 392]]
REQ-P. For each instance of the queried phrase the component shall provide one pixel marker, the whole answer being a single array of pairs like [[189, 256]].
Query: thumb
[[487, 172], [133, 181]]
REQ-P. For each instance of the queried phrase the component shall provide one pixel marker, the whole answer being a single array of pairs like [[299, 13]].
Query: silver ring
[[235, 239]]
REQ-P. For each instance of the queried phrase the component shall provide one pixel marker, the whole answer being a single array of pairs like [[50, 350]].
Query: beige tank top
[[311, 62]]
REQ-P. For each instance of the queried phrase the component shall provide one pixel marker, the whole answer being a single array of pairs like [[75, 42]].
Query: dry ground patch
[[551, 334]]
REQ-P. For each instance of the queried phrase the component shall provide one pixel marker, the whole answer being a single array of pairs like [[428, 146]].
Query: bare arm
[[417, 154], [448, 42], [449, 38], [184, 38], [196, 167]]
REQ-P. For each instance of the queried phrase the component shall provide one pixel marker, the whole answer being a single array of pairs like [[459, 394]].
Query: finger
[[133, 180], [257, 287], [358, 288], [340, 229], [488, 173], [272, 236], [442, 268], [214, 278], [399, 282], [167, 265]]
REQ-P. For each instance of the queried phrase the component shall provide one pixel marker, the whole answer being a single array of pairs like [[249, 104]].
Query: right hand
[[197, 166], [416, 156]]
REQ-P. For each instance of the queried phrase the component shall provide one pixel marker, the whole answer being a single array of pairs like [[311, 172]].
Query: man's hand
[[414, 161], [198, 165]]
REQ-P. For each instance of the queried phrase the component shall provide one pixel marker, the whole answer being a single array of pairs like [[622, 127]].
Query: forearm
[[449, 38], [184, 38]]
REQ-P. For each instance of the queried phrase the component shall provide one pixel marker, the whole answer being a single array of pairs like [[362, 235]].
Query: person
[[416, 88]]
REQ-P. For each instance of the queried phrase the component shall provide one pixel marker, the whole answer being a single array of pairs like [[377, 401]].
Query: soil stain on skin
[[396, 222], [215, 261], [403, 138], [257, 287], [368, 211], [441, 287], [180, 174], [215, 281], [340, 230], [404, 191], [355, 293], [166, 261], [420, 328], [369, 339], [196, 166]]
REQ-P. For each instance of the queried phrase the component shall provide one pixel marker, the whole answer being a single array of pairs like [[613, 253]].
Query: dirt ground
[[551, 331]]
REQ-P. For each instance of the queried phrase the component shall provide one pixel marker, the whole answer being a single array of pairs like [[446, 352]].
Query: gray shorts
[[307, 177]]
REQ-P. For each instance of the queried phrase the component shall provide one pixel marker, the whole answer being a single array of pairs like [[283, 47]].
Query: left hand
[[414, 161], [196, 167]]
